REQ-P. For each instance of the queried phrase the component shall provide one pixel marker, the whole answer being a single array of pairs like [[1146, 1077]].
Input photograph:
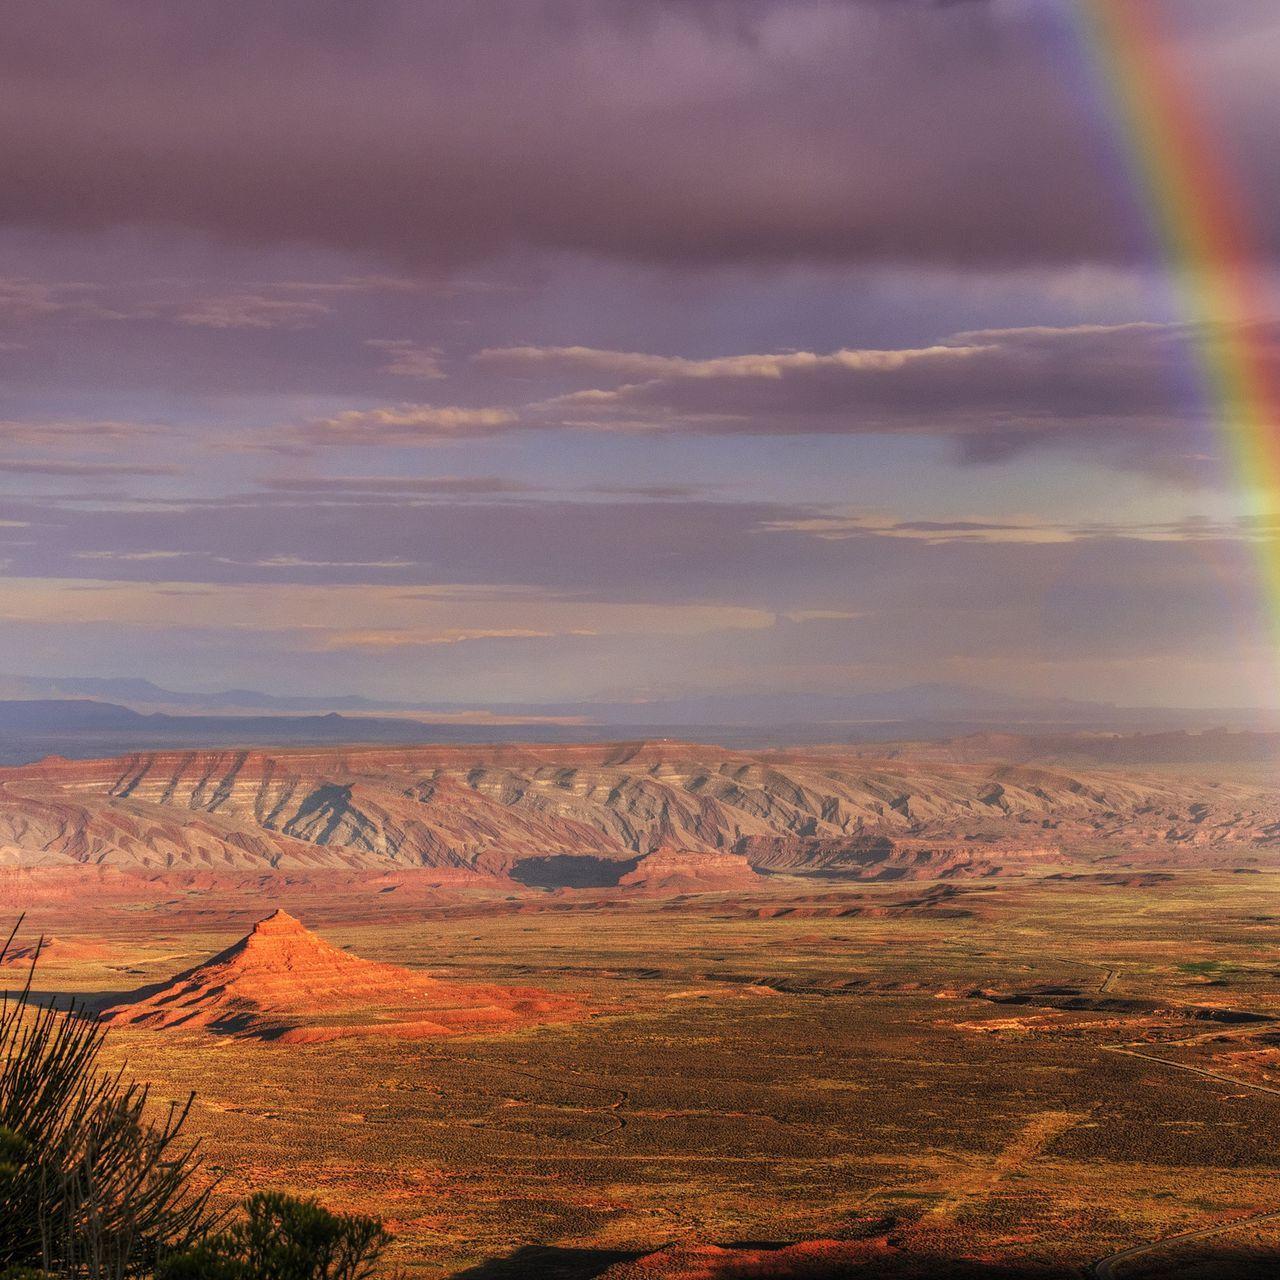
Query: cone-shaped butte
[[283, 982]]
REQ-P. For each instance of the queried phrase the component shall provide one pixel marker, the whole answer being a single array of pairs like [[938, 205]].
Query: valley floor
[[1028, 1072]]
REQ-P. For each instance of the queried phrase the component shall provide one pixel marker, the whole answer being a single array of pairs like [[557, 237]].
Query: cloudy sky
[[499, 350]]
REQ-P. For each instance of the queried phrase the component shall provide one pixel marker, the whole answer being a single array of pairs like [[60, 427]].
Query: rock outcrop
[[671, 871], [283, 982]]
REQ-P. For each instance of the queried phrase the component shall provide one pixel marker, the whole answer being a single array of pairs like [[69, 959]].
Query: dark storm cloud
[[647, 129]]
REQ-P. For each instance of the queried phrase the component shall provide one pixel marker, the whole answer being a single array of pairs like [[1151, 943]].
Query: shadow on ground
[[550, 1262], [86, 1003], [571, 871], [541, 1262]]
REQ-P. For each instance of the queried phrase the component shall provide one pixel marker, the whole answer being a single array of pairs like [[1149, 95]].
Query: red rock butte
[[283, 982]]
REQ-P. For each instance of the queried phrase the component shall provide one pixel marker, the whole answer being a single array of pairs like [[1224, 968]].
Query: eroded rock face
[[671, 871], [283, 982], [487, 810]]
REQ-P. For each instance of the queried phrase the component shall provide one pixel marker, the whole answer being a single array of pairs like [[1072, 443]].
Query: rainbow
[[1198, 220]]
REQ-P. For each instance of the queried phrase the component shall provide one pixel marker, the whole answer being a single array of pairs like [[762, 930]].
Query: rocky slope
[[505, 811]]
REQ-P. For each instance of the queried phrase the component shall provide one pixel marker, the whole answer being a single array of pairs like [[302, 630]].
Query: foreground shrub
[[90, 1185], [282, 1238]]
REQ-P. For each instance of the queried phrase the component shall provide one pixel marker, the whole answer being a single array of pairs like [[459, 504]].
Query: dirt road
[[1105, 1268]]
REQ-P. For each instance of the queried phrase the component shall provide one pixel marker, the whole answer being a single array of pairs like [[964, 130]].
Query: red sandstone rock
[[283, 982], [671, 871]]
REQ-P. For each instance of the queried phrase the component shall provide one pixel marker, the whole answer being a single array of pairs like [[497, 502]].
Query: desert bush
[[12, 1148], [90, 1184], [283, 1238]]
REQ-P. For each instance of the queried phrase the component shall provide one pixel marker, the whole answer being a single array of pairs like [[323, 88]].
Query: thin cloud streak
[[405, 424]]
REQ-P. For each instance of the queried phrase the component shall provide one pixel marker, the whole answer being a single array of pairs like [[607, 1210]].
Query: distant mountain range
[[82, 729], [81, 717], [918, 701], [143, 695]]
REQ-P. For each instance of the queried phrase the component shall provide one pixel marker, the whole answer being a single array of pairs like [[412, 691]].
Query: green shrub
[[283, 1238], [90, 1185], [91, 1188], [12, 1149]]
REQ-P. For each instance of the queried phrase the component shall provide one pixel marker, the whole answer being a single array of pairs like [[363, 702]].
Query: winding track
[[1105, 1268], [1195, 1071]]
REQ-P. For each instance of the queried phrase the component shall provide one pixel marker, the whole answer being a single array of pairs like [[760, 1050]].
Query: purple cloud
[[984, 382], [644, 129], [1124, 393]]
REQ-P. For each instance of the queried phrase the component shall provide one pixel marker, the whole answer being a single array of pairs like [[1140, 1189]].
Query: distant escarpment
[[587, 816]]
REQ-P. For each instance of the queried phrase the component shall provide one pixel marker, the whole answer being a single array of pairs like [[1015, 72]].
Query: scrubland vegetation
[[95, 1185], [756, 1068]]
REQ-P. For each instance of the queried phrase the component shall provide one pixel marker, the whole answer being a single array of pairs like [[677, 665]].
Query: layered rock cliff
[[491, 810]]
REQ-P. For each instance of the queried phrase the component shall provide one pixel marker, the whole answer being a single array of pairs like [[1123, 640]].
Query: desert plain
[[756, 1014]]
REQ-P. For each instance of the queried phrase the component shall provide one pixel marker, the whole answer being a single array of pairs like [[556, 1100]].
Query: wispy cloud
[[87, 470], [131, 555], [980, 382], [1125, 395], [303, 562], [407, 359], [406, 424], [60, 434], [360, 488], [832, 527], [319, 617], [253, 311], [373, 638]]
